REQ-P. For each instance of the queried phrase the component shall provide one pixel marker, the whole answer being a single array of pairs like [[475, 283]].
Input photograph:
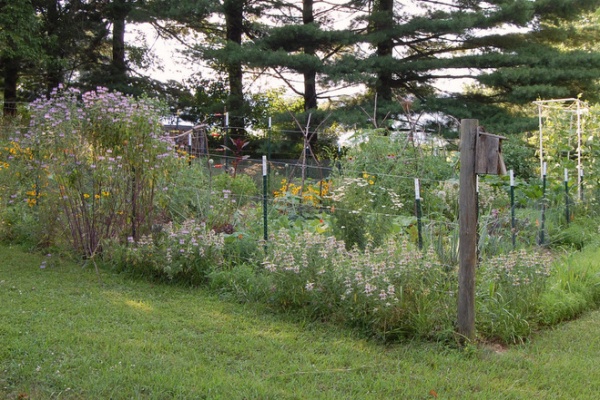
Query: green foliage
[[20, 48], [20, 226], [189, 193], [242, 188], [509, 293], [520, 157], [377, 184], [241, 283], [575, 235], [573, 288]]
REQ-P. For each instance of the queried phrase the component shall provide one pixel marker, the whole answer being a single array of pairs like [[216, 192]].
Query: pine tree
[[509, 48], [304, 39], [73, 36]]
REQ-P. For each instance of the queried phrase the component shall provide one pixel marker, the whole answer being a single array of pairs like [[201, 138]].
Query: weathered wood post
[[468, 229], [480, 153]]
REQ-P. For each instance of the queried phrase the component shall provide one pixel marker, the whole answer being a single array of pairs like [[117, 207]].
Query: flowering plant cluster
[[516, 269], [362, 210], [380, 289], [509, 293], [375, 185], [310, 194], [94, 163], [187, 251]]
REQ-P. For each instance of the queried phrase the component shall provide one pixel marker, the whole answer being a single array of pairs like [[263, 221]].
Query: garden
[[369, 242]]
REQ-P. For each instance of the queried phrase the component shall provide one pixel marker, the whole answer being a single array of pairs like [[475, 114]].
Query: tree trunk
[[120, 10], [117, 12], [234, 21], [310, 76], [11, 78], [383, 21], [54, 68]]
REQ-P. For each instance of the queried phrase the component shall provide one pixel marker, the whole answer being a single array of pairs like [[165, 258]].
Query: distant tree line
[[393, 53]]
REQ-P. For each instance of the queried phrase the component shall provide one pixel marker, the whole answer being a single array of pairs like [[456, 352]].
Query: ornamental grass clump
[[390, 291]]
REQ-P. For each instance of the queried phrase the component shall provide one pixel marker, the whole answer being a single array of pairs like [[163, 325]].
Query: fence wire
[[537, 220]]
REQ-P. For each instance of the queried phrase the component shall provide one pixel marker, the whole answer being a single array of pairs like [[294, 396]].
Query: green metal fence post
[[418, 207], [567, 213], [265, 221], [543, 224], [512, 210]]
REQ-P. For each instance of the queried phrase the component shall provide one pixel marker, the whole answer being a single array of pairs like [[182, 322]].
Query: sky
[[175, 65]]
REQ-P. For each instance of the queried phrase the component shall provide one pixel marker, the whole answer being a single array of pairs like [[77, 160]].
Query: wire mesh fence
[[511, 216], [303, 186]]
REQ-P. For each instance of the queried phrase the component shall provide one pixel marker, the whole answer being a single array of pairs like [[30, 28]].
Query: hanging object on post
[[488, 154]]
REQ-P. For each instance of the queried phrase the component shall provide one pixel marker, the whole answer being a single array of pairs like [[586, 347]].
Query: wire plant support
[[571, 106]]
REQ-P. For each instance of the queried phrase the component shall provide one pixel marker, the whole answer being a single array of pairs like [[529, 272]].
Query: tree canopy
[[398, 58]]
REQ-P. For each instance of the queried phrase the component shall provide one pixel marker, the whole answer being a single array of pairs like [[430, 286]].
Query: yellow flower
[[96, 196], [86, 196]]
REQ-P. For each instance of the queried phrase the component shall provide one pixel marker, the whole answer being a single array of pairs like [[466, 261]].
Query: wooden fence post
[[468, 229]]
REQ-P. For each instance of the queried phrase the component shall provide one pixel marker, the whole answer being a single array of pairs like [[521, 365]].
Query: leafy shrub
[[520, 157], [362, 210], [241, 248], [241, 188], [19, 225], [189, 195]]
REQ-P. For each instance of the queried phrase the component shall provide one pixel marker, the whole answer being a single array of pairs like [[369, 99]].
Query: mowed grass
[[67, 333]]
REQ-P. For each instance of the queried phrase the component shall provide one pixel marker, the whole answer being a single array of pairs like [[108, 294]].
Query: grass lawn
[[66, 333]]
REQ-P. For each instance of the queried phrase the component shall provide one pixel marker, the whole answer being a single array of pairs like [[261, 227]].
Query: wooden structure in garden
[[480, 153], [192, 139]]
